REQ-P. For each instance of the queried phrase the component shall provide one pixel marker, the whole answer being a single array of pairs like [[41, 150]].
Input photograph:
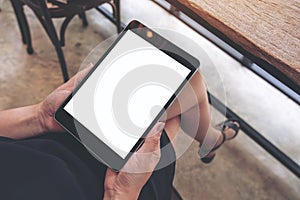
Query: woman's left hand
[[48, 107]]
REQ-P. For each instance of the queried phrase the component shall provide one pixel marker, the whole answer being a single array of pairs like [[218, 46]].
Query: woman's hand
[[48, 107], [128, 183], [36, 119]]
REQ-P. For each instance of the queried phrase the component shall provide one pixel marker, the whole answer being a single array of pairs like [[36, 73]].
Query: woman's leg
[[191, 111]]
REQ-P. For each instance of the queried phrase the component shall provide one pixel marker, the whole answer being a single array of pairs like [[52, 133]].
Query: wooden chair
[[45, 10]]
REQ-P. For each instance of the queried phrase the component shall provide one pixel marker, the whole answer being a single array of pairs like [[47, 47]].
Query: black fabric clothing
[[56, 166]]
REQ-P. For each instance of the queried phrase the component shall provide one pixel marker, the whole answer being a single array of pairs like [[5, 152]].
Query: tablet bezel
[[105, 154]]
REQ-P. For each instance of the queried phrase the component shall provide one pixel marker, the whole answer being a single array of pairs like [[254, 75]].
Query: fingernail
[[160, 127]]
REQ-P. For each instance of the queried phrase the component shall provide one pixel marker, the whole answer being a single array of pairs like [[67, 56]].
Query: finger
[[157, 129], [152, 141], [59, 96], [110, 178], [81, 74], [147, 157], [73, 82]]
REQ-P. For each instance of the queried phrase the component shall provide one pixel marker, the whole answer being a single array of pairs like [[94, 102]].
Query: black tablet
[[127, 91]]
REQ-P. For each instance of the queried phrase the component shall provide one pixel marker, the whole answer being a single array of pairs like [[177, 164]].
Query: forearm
[[20, 122]]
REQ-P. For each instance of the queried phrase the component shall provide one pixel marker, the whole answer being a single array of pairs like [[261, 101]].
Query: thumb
[[152, 141], [110, 179], [147, 157]]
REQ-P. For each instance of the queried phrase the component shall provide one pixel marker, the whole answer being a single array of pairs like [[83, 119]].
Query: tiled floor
[[241, 170]]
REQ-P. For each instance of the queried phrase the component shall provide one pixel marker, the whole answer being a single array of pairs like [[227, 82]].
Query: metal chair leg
[[117, 15], [82, 16], [23, 24], [63, 64], [50, 29], [54, 39], [18, 9], [27, 34], [63, 29]]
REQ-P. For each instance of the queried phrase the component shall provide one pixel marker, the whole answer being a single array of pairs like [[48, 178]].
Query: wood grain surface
[[268, 29]]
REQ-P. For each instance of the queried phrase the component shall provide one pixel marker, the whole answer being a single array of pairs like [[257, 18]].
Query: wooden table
[[265, 31]]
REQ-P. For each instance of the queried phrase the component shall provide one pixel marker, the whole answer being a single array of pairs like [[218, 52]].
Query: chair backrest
[[63, 8]]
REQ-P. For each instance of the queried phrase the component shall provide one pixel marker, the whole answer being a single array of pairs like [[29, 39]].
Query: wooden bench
[[265, 31]]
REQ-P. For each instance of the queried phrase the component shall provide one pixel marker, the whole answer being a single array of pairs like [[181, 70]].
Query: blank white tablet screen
[[118, 102]]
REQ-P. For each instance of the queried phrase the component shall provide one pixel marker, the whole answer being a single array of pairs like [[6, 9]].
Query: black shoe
[[228, 124]]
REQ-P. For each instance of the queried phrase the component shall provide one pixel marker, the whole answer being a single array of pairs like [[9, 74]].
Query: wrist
[[40, 118], [36, 120]]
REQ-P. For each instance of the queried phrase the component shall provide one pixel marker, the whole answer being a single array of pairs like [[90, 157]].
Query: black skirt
[[55, 166]]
